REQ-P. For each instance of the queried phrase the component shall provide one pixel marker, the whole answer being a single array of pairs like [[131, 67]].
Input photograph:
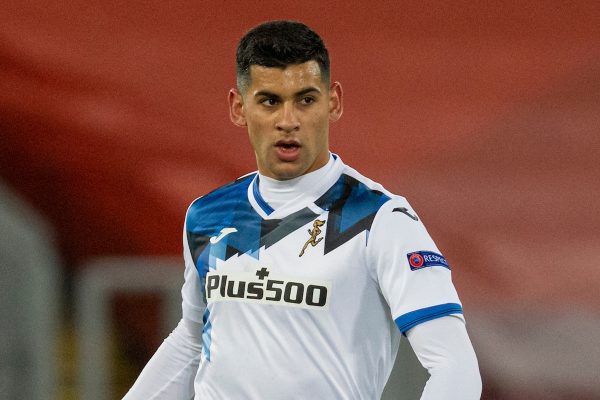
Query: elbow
[[474, 376], [466, 374], [474, 384], [457, 378], [467, 379]]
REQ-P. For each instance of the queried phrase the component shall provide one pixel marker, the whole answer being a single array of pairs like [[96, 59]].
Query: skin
[[287, 112]]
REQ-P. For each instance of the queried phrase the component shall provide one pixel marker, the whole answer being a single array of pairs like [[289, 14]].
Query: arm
[[170, 372], [443, 347], [415, 280]]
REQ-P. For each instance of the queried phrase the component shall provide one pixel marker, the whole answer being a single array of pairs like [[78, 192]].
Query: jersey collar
[[305, 198]]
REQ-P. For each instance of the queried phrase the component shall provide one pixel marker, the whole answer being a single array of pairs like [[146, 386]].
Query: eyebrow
[[304, 91]]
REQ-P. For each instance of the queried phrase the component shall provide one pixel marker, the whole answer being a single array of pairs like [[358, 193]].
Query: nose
[[288, 120]]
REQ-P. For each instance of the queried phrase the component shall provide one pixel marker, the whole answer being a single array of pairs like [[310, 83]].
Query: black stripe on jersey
[[273, 230], [352, 207], [197, 244]]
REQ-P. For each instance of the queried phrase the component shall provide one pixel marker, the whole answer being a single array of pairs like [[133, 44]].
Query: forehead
[[289, 79]]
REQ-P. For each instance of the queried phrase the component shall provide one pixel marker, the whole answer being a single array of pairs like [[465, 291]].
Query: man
[[301, 279]]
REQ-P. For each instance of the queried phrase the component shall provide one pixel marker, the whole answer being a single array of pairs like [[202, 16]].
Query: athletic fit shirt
[[308, 301]]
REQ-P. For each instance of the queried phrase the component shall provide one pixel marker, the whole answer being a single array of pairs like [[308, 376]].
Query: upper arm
[[193, 305], [413, 276]]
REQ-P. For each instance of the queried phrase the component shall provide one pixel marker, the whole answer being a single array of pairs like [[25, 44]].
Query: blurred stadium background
[[113, 118]]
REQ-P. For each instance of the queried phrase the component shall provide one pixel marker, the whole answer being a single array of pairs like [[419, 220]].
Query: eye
[[307, 100], [269, 102]]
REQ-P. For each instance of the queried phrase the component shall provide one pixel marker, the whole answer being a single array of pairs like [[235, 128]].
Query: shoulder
[[398, 225], [367, 182], [390, 211], [353, 201], [350, 193], [394, 202], [221, 198], [355, 191]]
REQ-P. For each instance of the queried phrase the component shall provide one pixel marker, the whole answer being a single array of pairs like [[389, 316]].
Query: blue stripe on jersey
[[352, 206], [259, 199], [206, 334], [225, 207], [229, 207], [414, 318]]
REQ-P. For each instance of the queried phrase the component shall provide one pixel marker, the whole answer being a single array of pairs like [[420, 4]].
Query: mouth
[[287, 144], [288, 150]]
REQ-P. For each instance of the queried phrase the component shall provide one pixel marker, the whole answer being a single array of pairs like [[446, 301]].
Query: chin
[[287, 172], [286, 176]]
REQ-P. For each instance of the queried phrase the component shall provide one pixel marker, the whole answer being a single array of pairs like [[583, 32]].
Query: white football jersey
[[308, 301]]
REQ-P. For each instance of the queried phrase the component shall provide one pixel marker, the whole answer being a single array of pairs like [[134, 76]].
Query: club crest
[[314, 233]]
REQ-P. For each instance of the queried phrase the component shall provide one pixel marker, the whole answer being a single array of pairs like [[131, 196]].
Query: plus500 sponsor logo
[[247, 288]]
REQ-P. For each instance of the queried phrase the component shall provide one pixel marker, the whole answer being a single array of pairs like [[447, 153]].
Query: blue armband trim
[[414, 318]]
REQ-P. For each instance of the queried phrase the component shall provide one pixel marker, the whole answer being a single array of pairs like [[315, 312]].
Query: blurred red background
[[485, 115]]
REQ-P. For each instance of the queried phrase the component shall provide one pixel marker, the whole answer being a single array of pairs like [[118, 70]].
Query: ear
[[336, 107], [236, 108]]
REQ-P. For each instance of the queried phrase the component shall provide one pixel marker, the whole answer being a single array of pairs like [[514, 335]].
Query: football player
[[301, 278]]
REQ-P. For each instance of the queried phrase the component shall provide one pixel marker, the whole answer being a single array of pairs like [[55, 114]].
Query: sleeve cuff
[[414, 318]]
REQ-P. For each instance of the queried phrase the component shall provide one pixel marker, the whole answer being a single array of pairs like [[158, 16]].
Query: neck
[[277, 193]]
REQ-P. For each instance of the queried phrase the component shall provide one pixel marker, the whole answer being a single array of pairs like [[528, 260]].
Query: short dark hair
[[279, 44]]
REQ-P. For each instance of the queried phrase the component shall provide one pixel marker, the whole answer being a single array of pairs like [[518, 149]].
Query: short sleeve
[[192, 300], [413, 276]]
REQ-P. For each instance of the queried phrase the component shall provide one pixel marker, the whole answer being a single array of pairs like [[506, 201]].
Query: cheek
[[320, 129], [258, 139], [258, 126], [254, 131], [254, 140]]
